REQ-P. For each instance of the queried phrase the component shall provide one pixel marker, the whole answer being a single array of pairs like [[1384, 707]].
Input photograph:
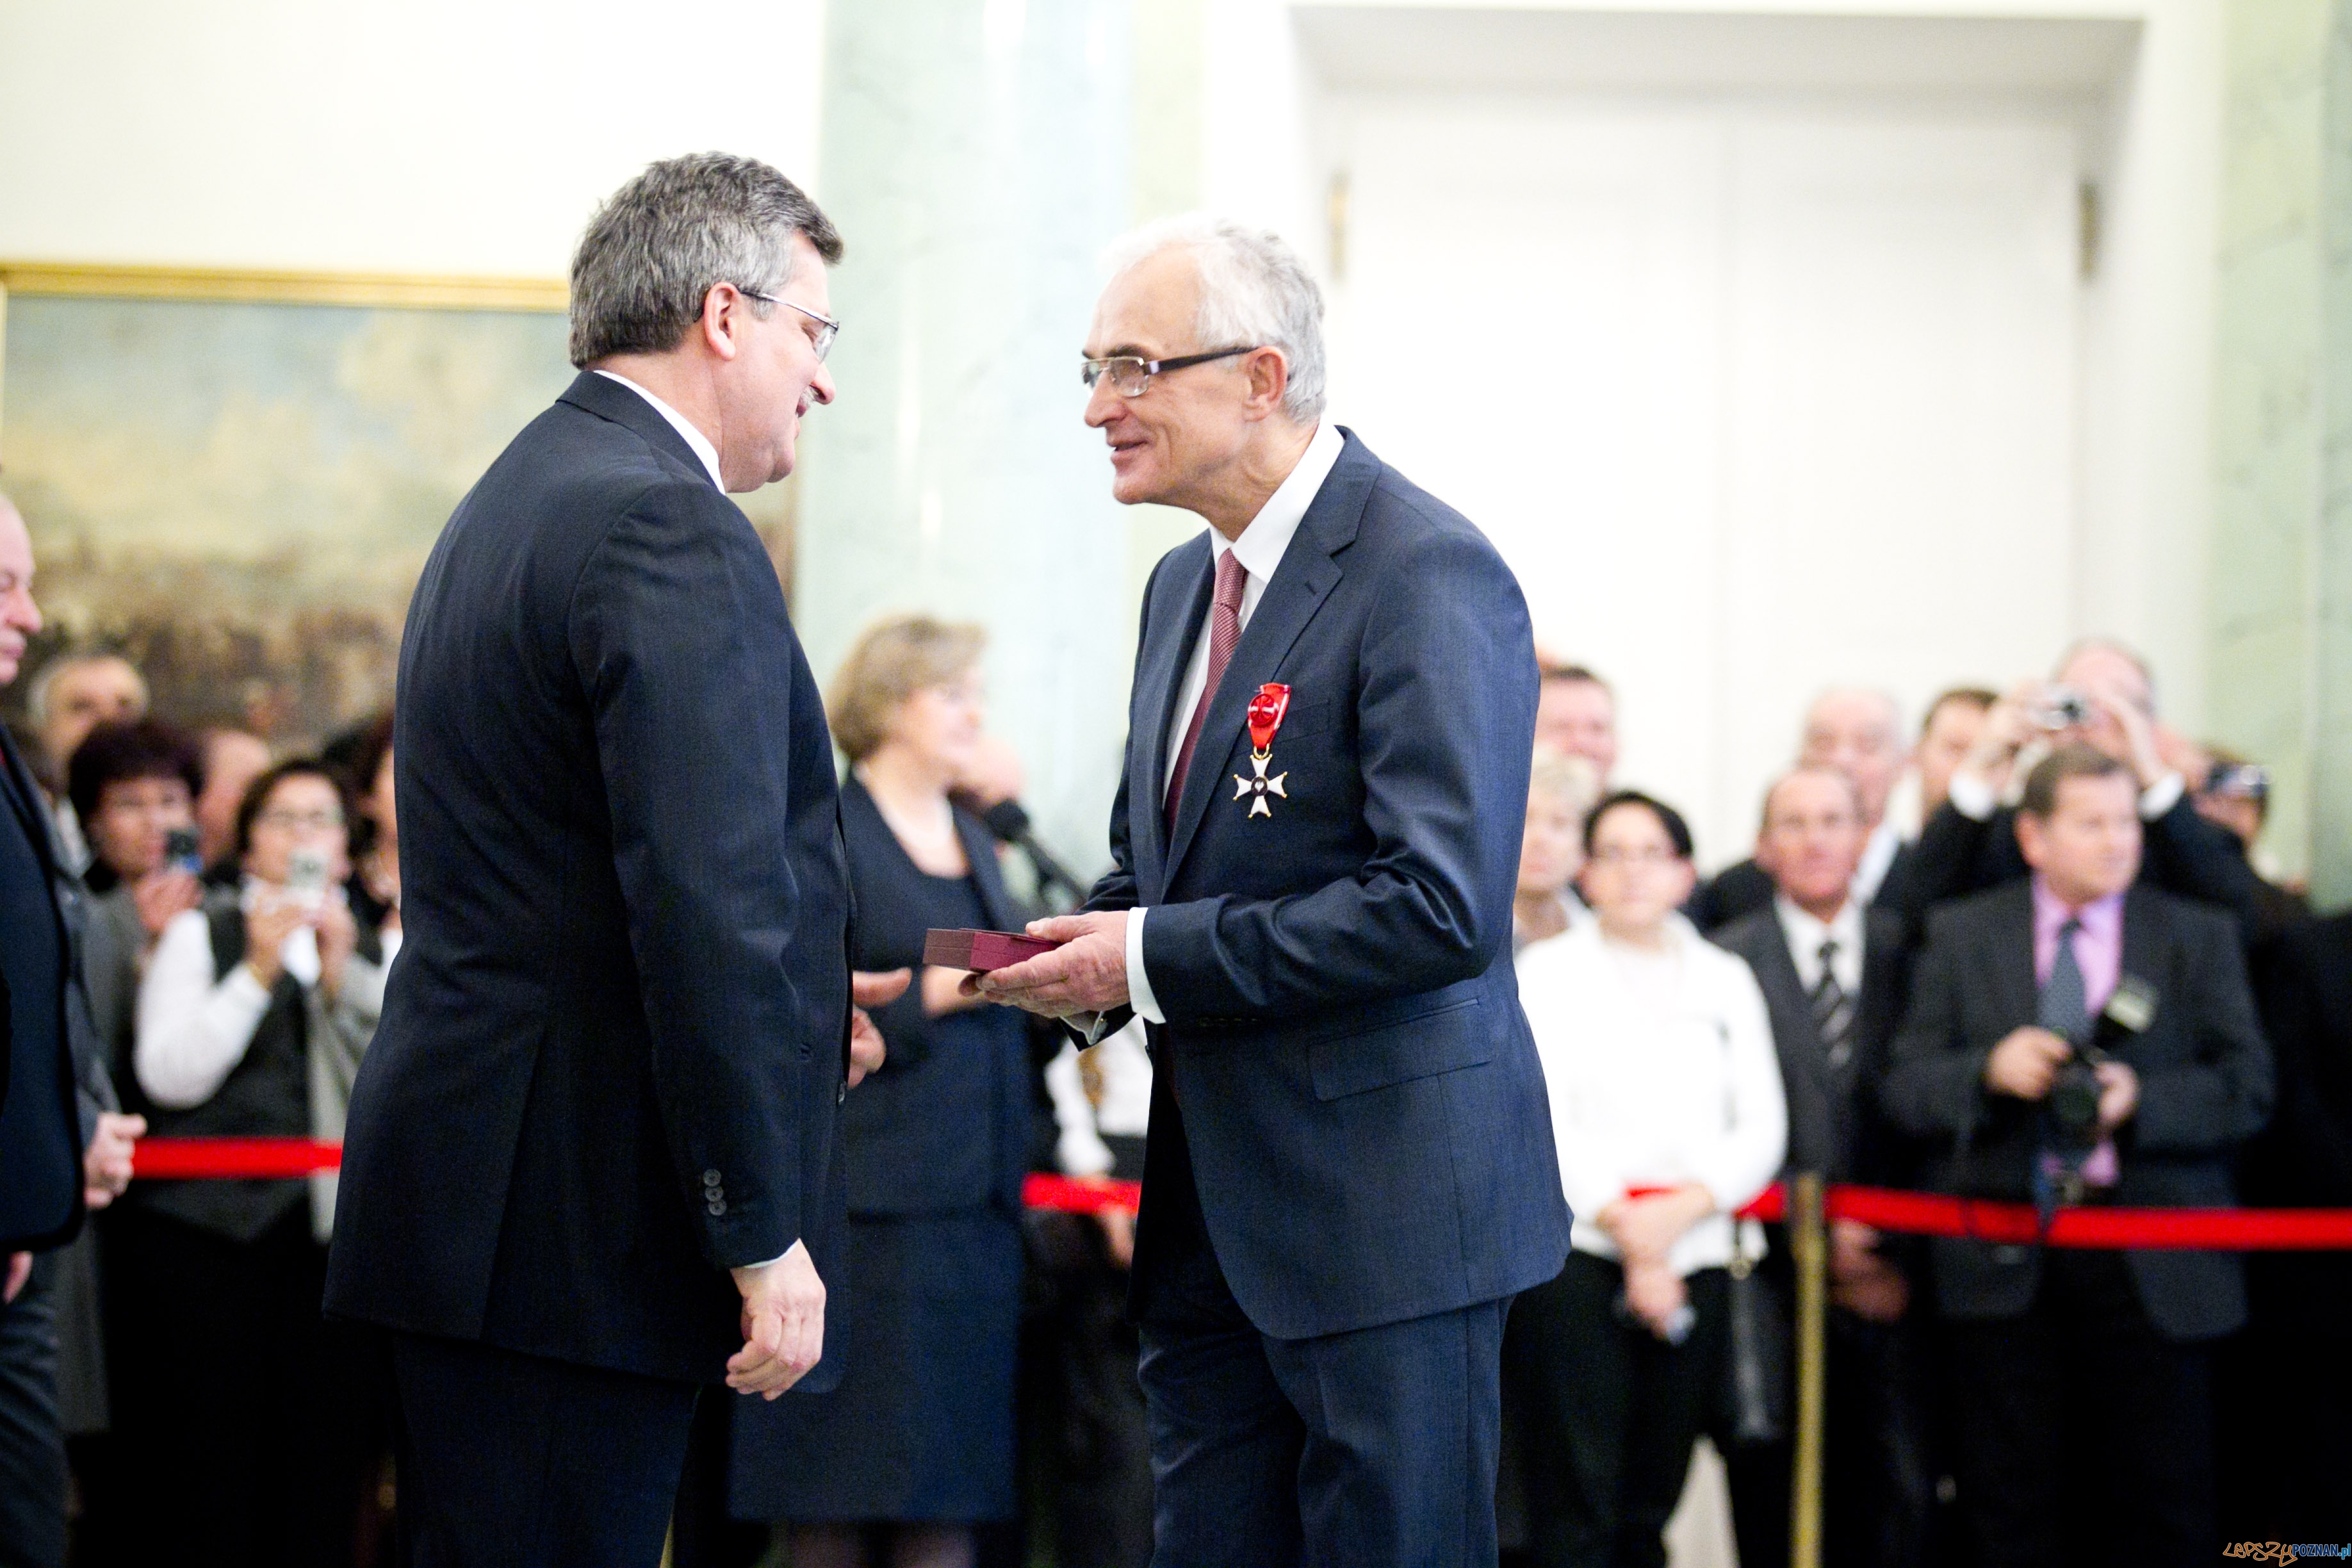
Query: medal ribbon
[[1265, 711]]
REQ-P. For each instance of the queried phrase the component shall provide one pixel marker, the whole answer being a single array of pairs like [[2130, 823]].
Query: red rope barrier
[[1917, 1214]]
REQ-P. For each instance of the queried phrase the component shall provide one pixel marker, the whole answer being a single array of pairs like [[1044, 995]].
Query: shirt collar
[[1263, 543], [679, 423], [2101, 918], [1806, 933]]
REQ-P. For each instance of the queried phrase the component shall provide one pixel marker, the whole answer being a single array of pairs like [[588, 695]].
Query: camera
[[183, 852], [2063, 708], [2074, 1098], [2246, 781]]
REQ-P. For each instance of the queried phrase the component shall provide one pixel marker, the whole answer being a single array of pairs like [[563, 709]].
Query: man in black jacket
[[2083, 1395], [1833, 974], [591, 1151], [61, 1147], [2103, 696]]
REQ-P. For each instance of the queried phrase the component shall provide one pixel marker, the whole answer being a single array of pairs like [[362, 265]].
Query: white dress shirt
[[1661, 1071], [1806, 934], [1260, 549], [1123, 1070], [679, 423], [1877, 859]]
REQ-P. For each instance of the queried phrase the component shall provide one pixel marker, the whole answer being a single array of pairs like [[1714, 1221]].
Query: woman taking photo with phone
[[246, 1422]]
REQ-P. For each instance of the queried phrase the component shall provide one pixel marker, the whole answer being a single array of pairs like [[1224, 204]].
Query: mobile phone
[[306, 875], [183, 852]]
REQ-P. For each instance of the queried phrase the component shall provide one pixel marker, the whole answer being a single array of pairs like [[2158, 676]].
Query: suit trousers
[[32, 1443], [510, 1460], [1610, 1414], [2084, 1436], [1369, 1450]]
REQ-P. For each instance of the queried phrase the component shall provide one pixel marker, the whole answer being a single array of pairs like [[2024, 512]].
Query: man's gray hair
[[1253, 292], [40, 702], [658, 244]]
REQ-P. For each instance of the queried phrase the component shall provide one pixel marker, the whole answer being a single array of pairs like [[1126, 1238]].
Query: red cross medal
[[1265, 711]]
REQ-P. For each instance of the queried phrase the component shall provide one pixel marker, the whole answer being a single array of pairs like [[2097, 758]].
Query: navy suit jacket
[[42, 1128], [615, 1037], [1369, 1132]]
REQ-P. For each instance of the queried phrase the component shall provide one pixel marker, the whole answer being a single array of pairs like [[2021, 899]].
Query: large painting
[[234, 480]]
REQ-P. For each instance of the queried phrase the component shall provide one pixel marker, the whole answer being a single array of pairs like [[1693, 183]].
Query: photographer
[[2079, 1039], [133, 785], [2103, 698], [245, 1421]]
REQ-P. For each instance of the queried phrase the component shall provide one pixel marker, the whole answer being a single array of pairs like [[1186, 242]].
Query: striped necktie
[[1832, 1008]]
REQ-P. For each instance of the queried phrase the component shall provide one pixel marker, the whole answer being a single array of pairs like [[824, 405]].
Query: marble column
[[2279, 596], [976, 156]]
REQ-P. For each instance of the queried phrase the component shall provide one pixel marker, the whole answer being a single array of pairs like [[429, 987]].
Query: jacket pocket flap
[[1440, 1040]]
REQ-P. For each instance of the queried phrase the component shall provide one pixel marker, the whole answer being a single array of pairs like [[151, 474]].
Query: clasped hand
[[1088, 973]]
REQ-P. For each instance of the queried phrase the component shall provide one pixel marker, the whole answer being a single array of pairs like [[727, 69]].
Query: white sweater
[[1660, 1070]]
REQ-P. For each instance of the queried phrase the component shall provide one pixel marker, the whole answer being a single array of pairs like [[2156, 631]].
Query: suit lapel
[[2020, 992], [26, 801], [1300, 584], [2145, 930]]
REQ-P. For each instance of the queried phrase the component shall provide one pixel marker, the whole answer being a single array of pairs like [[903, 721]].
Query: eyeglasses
[[1130, 374], [298, 821], [1648, 855], [827, 329]]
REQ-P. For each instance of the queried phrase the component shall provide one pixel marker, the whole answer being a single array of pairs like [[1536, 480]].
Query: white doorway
[[1758, 393]]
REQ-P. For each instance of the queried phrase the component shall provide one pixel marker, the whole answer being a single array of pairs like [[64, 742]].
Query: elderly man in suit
[[590, 1163], [1858, 732], [1834, 972], [1350, 1169], [63, 1148], [2083, 1394]]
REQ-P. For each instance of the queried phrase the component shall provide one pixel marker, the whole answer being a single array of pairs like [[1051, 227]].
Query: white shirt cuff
[[2161, 796], [1139, 984], [1972, 796]]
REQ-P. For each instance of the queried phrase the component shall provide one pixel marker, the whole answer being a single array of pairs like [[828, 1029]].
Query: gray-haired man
[[591, 1163], [1316, 846]]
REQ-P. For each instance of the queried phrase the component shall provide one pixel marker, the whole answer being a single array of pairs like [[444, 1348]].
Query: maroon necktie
[[1224, 630]]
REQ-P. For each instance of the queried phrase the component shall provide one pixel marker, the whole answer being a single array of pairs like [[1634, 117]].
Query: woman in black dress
[[916, 1445]]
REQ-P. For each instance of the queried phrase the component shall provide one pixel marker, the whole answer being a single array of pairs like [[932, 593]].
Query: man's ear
[[722, 317], [2030, 839], [1269, 378]]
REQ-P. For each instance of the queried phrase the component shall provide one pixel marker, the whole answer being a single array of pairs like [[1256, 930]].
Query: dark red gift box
[[981, 951]]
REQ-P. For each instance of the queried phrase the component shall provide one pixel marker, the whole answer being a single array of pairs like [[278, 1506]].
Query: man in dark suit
[[1833, 974], [1858, 732], [62, 1148], [2288, 1383], [2082, 1380], [591, 1150], [2103, 696], [1350, 1168]]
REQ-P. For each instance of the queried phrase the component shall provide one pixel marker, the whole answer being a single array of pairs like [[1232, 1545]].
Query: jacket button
[[709, 1178], [717, 1207]]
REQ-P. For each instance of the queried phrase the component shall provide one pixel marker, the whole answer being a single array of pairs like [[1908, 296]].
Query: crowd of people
[[2059, 976]]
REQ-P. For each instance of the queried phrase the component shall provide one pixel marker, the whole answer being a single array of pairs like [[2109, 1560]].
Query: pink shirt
[[2098, 945]]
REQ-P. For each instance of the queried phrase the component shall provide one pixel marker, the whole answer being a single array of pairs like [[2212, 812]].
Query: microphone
[[1010, 825]]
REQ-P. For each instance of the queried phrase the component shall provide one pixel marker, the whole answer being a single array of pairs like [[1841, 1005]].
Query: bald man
[[2102, 694], [62, 1151], [1857, 733]]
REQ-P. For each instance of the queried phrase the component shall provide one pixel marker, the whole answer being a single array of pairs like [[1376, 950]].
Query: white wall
[[433, 136], [2147, 116]]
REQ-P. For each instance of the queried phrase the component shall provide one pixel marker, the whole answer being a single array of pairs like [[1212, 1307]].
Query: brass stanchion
[[1809, 1239]]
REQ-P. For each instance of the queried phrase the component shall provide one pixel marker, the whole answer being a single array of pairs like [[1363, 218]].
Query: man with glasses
[[592, 1162], [1350, 1169]]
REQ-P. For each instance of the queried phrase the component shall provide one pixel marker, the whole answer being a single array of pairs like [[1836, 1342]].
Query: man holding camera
[[2082, 1037], [2103, 696]]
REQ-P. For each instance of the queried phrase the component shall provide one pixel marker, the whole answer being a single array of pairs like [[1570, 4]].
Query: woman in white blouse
[[244, 1421], [1560, 790], [1666, 1101]]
